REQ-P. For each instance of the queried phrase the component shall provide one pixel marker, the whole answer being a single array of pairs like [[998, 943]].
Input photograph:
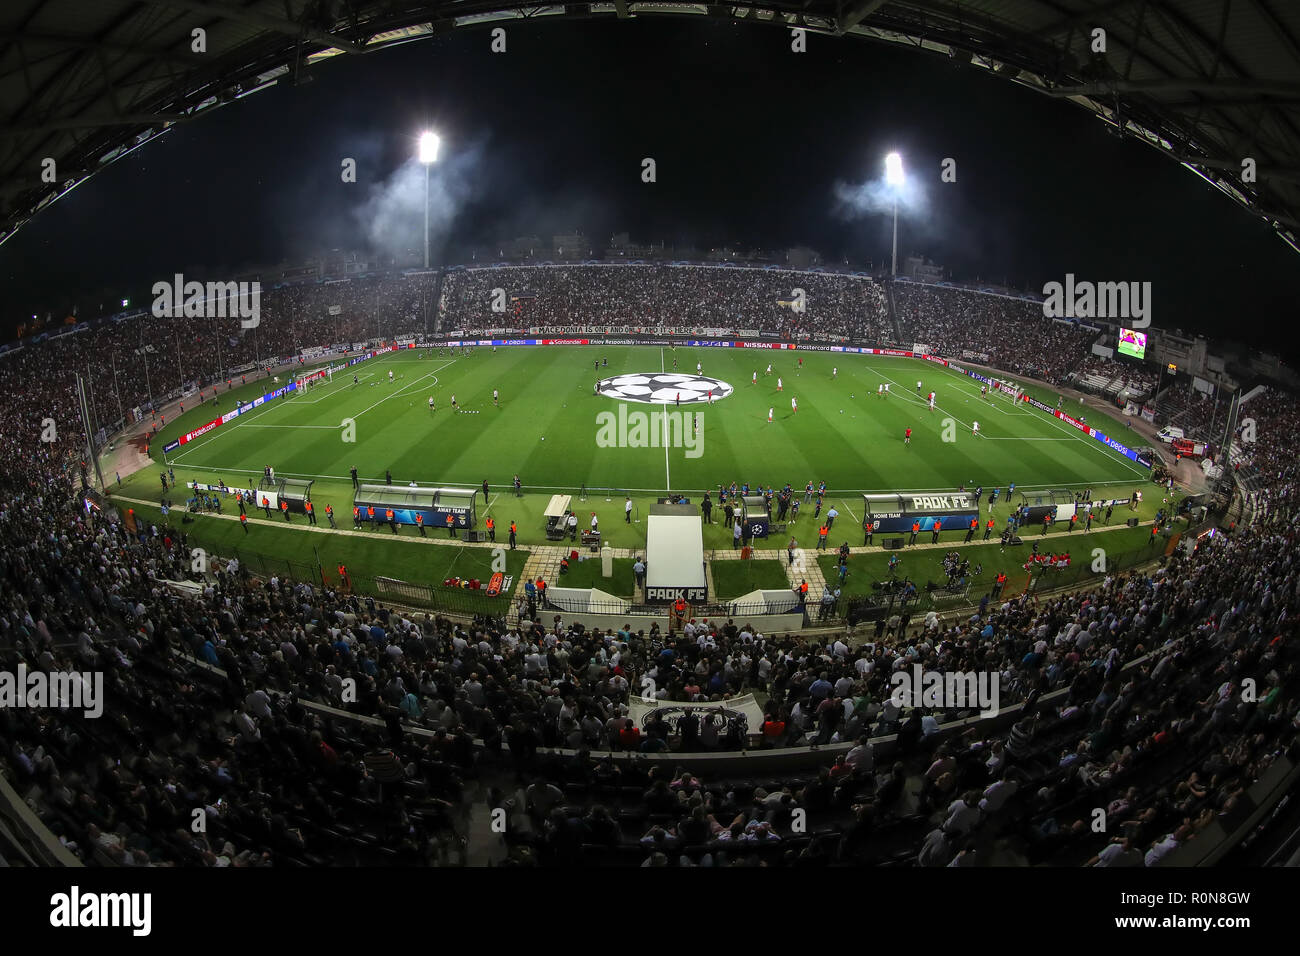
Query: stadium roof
[[1209, 83]]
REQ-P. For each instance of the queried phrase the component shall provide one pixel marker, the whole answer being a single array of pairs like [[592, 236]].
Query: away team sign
[[663, 388]]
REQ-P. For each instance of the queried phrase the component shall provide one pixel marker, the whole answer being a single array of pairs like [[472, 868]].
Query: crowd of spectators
[[845, 307], [128, 361], [279, 781], [1007, 333]]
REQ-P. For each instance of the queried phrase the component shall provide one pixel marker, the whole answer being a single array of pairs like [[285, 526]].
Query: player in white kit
[[794, 404], [430, 403], [495, 396], [778, 383], [769, 370], [932, 401], [975, 429], [390, 375], [699, 369], [754, 379], [769, 413], [834, 373], [880, 391]]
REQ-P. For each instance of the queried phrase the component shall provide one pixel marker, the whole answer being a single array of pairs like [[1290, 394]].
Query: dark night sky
[[750, 140]]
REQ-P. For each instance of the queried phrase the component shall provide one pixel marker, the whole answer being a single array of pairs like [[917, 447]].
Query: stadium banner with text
[[896, 513]]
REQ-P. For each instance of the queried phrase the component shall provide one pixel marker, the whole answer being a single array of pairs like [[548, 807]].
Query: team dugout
[[295, 492], [433, 505]]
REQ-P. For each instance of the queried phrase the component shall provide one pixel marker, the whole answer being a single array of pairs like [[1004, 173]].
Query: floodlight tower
[[428, 156], [894, 179]]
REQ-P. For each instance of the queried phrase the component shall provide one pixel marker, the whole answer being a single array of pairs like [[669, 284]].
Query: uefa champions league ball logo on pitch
[[663, 388]]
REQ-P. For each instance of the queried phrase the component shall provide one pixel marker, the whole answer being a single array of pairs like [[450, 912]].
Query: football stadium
[[342, 531]]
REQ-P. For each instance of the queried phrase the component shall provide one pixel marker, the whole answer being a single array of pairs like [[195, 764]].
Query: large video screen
[[1132, 343]]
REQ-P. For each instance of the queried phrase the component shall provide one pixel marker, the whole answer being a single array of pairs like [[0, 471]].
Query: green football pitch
[[549, 429]]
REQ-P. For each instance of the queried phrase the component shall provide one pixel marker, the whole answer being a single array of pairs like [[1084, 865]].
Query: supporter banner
[[315, 352], [240, 369], [408, 340], [1105, 351], [747, 333], [920, 349], [1148, 413], [974, 356], [642, 711], [336, 310]]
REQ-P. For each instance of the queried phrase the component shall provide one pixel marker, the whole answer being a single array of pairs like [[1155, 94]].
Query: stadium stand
[[838, 307]]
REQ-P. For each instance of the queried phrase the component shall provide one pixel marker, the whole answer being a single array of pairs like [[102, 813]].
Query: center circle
[[663, 388]]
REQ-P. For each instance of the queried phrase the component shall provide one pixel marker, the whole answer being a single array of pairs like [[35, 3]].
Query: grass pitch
[[546, 429]]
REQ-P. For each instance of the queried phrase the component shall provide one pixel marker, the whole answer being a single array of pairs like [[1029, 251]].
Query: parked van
[[1169, 433]]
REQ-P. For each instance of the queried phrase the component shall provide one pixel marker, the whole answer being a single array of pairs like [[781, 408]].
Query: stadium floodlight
[[428, 155], [894, 169], [429, 143], [894, 178]]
